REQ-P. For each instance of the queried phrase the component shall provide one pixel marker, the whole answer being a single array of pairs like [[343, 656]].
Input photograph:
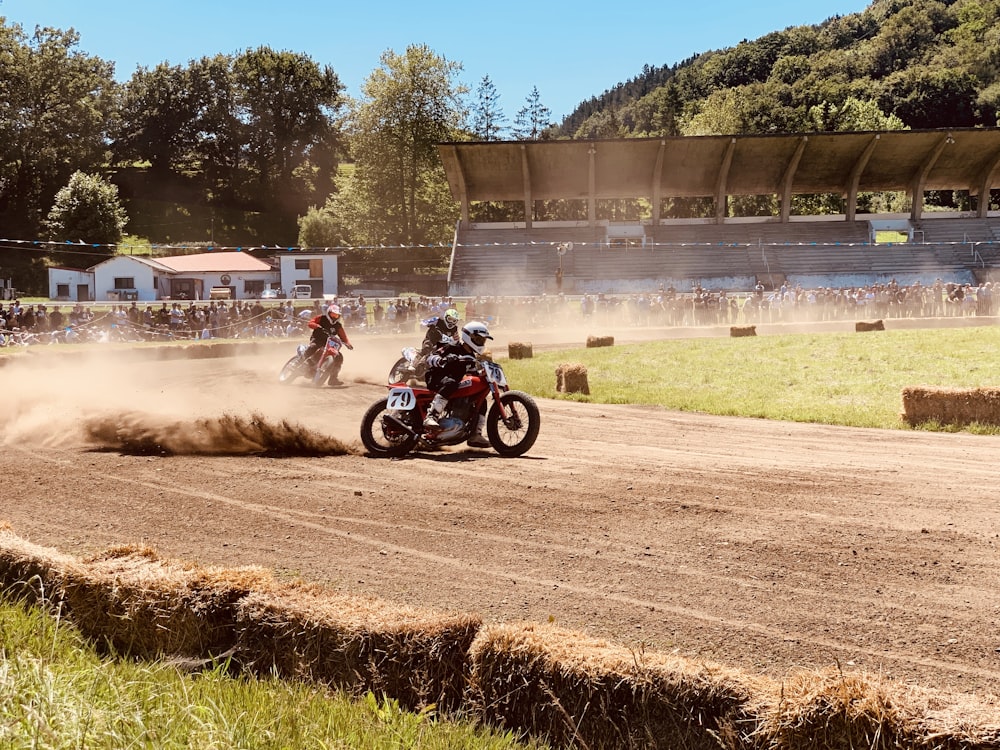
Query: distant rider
[[443, 327], [446, 366], [440, 330], [323, 326]]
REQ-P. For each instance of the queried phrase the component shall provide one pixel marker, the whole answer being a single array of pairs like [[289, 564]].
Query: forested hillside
[[929, 63]]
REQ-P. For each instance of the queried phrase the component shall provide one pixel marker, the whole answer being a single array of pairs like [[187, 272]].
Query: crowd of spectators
[[43, 323]]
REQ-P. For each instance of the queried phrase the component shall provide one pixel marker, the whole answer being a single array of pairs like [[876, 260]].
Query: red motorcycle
[[318, 367], [393, 426]]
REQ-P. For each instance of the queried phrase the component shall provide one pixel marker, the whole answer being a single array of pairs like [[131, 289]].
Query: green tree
[[287, 105], [319, 228], [87, 209], [221, 132], [488, 120], [931, 98], [533, 119], [397, 193], [158, 112], [55, 104]]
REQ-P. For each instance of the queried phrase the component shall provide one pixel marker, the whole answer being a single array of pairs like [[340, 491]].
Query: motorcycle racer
[[323, 326], [446, 366]]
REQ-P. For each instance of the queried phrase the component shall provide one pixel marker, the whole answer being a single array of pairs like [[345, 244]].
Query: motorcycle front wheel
[[515, 435], [399, 372], [382, 436], [290, 371]]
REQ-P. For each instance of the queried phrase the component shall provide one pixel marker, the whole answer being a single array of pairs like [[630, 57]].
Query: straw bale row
[[595, 341], [738, 331], [540, 680], [953, 406], [358, 644], [572, 378]]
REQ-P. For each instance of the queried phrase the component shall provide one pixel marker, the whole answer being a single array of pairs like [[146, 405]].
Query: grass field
[[853, 379], [58, 693]]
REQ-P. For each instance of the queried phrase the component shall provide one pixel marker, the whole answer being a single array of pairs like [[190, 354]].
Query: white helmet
[[474, 335], [333, 312]]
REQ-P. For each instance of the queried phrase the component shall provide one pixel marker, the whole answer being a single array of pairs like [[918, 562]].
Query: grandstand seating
[[511, 261]]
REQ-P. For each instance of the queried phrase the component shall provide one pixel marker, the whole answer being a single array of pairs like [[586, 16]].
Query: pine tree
[[532, 119], [488, 119]]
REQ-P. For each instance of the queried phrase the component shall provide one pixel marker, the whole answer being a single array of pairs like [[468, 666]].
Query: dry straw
[[357, 644], [572, 378], [869, 325], [952, 406], [28, 572], [738, 331], [130, 601], [830, 710], [519, 350], [594, 341], [577, 691]]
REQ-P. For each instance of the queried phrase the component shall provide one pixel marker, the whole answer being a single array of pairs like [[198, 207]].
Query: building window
[[253, 287], [301, 265], [124, 282], [62, 290]]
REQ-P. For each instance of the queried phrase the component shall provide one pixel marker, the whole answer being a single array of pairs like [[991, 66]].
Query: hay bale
[[572, 378], [594, 341], [576, 691], [865, 325], [30, 573], [519, 350], [737, 331], [954, 406], [128, 600], [832, 709], [357, 644]]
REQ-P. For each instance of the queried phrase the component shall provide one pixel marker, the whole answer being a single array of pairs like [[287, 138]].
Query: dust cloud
[[59, 398]]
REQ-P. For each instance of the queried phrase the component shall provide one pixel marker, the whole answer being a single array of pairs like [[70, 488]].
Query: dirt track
[[761, 545]]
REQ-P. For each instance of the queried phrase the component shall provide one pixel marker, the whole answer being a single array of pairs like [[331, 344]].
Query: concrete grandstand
[[594, 254]]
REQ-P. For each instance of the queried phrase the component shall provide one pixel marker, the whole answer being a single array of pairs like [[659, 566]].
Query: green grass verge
[[853, 379], [57, 693]]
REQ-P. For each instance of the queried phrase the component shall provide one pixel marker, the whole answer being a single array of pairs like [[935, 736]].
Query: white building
[[70, 284], [318, 270], [193, 277]]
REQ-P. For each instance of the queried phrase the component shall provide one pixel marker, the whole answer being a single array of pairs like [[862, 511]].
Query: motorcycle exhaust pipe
[[401, 425]]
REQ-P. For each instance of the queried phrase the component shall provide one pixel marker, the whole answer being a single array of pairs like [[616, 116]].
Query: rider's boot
[[335, 374], [478, 439], [434, 411]]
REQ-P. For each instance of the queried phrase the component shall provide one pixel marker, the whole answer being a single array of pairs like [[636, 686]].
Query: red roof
[[209, 262]]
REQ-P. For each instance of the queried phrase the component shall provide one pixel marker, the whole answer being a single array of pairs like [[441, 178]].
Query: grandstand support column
[[592, 187], [786, 181], [721, 181], [657, 191], [526, 180], [985, 180], [920, 179], [856, 171]]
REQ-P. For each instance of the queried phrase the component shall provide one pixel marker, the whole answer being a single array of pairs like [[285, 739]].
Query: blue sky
[[570, 52]]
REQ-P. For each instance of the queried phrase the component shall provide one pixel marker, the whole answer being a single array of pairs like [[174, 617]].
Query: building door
[[83, 293]]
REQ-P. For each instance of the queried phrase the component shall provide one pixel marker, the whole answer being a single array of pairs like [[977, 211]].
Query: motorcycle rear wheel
[[290, 371], [516, 435], [381, 438]]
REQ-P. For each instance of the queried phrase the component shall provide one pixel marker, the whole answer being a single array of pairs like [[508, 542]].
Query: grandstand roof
[[722, 165]]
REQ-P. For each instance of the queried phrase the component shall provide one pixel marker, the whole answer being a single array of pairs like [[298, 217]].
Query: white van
[[301, 291]]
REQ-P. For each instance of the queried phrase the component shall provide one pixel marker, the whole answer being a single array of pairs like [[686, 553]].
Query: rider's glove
[[350, 346]]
